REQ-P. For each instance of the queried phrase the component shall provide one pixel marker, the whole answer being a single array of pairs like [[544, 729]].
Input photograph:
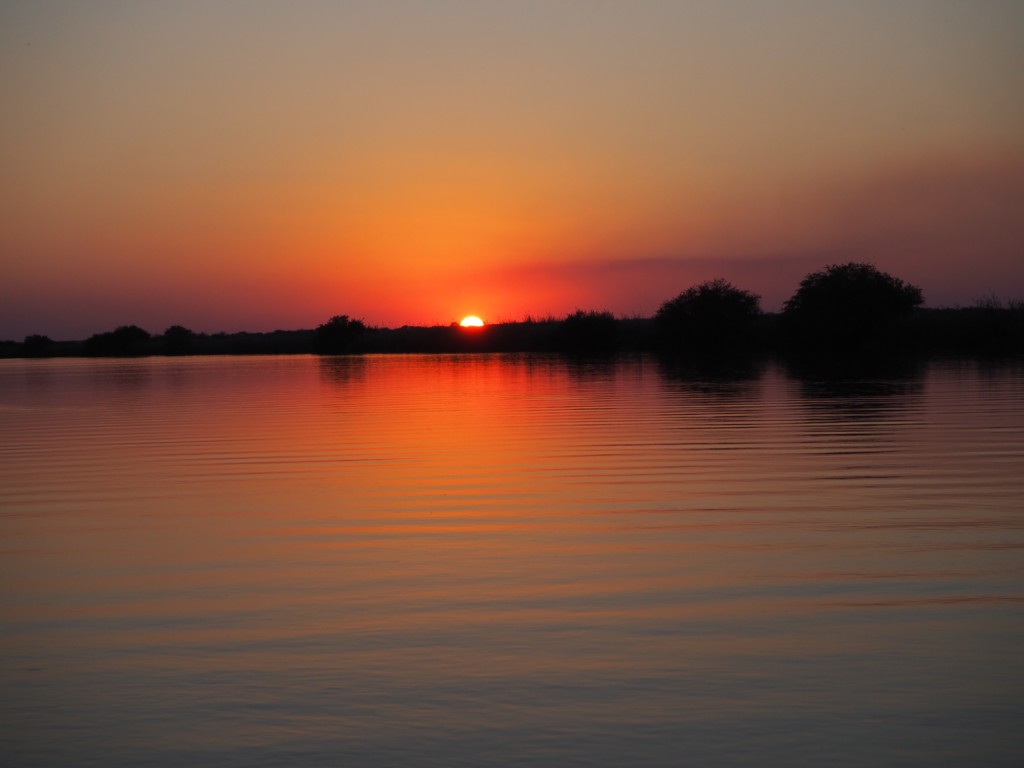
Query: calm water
[[507, 561]]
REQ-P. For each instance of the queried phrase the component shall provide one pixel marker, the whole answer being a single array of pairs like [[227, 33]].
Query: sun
[[471, 321]]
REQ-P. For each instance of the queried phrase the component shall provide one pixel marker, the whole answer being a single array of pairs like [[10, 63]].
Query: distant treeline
[[845, 311]]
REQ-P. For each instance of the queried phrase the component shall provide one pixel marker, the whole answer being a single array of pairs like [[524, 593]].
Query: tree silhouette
[[338, 335], [850, 307], [714, 316]]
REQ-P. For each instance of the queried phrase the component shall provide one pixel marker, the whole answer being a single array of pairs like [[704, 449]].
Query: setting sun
[[471, 321]]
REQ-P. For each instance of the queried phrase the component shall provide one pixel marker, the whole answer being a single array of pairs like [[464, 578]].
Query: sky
[[258, 165]]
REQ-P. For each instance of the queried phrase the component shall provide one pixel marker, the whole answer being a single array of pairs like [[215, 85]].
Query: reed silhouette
[[990, 327]]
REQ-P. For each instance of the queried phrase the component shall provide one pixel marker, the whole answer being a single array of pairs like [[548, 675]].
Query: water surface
[[508, 560]]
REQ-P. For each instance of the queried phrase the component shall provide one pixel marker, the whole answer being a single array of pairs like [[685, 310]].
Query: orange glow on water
[[390, 525]]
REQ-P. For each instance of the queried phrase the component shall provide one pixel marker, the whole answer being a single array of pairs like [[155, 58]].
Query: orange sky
[[256, 166]]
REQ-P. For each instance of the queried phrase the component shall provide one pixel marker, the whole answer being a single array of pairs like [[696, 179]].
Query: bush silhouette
[[338, 335], [125, 340], [588, 332], [849, 307], [177, 339], [714, 316], [36, 345]]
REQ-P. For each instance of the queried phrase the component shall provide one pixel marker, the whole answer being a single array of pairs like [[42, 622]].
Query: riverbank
[[980, 330]]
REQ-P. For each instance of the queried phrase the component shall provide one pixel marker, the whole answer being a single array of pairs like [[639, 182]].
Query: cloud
[[953, 227]]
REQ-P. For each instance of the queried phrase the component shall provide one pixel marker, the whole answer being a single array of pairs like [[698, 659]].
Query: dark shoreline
[[982, 331]]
